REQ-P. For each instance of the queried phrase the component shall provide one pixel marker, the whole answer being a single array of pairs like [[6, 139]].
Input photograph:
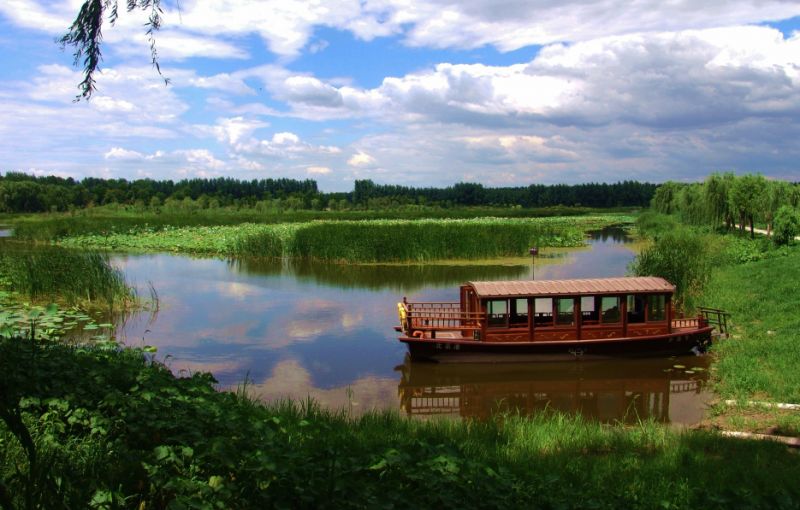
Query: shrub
[[787, 225], [683, 258]]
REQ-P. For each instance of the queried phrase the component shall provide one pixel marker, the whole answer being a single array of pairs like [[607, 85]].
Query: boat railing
[[432, 316], [717, 318]]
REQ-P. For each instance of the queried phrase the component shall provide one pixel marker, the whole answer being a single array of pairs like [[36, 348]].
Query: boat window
[[656, 307], [589, 313], [519, 311], [566, 309], [609, 309], [635, 309], [543, 312], [498, 312]]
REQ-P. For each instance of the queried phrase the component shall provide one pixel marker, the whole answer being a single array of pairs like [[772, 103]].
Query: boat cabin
[[547, 311]]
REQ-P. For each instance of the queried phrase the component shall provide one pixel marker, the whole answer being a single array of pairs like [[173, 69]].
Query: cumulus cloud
[[361, 159], [286, 26], [123, 154], [667, 80]]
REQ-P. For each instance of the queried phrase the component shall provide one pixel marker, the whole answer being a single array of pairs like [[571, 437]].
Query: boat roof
[[592, 286]]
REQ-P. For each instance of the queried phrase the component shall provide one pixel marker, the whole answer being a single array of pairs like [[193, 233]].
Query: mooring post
[[534, 252]]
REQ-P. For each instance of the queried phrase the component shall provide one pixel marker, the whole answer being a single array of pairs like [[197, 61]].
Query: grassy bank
[[101, 427], [760, 362], [756, 282], [361, 241]]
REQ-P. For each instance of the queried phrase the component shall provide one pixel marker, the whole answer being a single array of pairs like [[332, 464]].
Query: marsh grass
[[105, 220], [52, 273], [368, 241]]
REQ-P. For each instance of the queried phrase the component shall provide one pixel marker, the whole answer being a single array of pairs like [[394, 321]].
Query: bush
[[787, 225], [683, 258]]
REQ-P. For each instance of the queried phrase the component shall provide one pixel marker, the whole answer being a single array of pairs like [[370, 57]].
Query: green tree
[[86, 33], [665, 198], [777, 196], [787, 225], [691, 204], [716, 194], [747, 196]]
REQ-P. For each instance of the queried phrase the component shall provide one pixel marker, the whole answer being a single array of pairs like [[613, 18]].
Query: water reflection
[[607, 391], [6, 231], [325, 330], [399, 277]]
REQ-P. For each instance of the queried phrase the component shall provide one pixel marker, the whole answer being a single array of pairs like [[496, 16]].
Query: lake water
[[326, 331]]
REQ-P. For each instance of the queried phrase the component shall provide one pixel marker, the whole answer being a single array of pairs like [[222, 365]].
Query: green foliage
[[20, 193], [653, 224], [109, 220], [52, 272], [110, 428], [747, 198], [362, 241], [666, 197], [682, 257], [716, 193], [726, 198], [786, 226]]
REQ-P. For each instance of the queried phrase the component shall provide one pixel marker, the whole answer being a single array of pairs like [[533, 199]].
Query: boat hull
[[465, 350]]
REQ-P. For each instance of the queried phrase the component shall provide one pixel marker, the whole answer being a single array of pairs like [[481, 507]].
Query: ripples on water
[[326, 330]]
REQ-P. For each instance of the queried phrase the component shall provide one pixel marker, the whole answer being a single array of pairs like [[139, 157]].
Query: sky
[[417, 93]]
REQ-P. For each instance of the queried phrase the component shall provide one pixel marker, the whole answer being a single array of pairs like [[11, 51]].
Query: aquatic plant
[[363, 240], [52, 273]]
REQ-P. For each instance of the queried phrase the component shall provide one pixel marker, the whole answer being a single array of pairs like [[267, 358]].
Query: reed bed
[[105, 220], [362, 241], [55, 273]]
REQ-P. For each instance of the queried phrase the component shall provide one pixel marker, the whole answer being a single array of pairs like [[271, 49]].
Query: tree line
[[23, 193], [735, 202]]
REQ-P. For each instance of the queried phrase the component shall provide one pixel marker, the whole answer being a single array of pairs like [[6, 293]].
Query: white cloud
[[123, 154], [361, 159], [286, 26], [234, 129], [318, 170]]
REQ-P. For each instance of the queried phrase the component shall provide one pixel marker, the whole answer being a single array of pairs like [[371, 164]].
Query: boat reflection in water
[[667, 390]]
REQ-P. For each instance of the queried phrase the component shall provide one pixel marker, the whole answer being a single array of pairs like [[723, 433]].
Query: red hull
[[459, 350]]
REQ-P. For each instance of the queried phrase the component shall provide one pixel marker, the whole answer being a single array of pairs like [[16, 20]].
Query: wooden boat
[[522, 320]]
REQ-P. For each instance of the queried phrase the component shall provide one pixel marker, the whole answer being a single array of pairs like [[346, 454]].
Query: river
[[326, 331]]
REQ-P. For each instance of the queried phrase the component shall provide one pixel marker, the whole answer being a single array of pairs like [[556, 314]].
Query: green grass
[[361, 241], [50, 273], [112, 429], [762, 360]]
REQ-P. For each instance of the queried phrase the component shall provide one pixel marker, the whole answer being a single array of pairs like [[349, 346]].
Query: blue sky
[[424, 93]]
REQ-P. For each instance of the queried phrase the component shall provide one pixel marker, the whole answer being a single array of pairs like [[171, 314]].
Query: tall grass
[[685, 259], [389, 241], [103, 221], [362, 241], [55, 273]]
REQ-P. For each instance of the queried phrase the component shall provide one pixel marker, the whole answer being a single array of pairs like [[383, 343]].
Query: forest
[[23, 193]]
